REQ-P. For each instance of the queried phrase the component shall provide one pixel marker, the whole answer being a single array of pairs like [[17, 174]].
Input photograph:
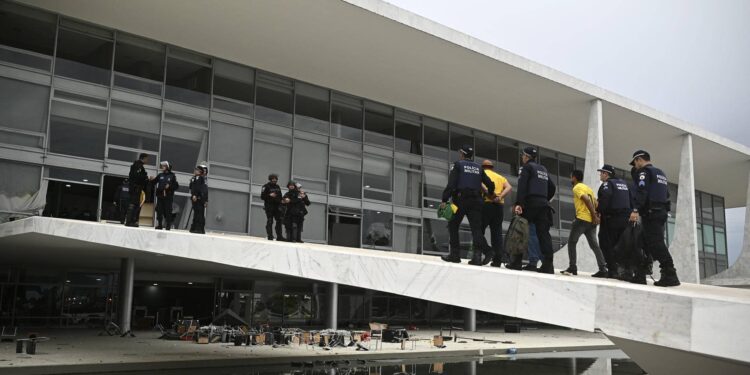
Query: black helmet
[[291, 182], [272, 176]]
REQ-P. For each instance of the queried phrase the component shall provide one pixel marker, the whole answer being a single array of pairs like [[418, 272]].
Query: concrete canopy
[[375, 50]]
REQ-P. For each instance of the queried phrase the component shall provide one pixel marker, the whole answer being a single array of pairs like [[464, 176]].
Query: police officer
[[465, 189], [651, 204], [138, 179], [199, 196], [492, 212], [122, 199], [535, 190], [295, 201], [271, 196], [613, 208], [166, 185]]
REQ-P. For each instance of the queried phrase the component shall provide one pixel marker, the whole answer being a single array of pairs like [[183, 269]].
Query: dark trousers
[[470, 207], [588, 229], [122, 209], [134, 207], [492, 217], [164, 210], [653, 237], [610, 231], [293, 226], [541, 217], [199, 218], [273, 213]]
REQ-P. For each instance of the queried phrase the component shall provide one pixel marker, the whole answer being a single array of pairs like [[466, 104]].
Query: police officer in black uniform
[[651, 204], [199, 196], [535, 190], [613, 209], [138, 179], [271, 196], [465, 189], [166, 185], [122, 199], [296, 202]]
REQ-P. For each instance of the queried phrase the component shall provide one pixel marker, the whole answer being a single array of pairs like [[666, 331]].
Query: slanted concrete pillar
[[127, 274], [684, 246], [333, 306], [470, 320], [586, 261]]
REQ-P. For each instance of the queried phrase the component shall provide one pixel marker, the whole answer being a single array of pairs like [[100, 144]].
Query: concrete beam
[[684, 246], [586, 261]]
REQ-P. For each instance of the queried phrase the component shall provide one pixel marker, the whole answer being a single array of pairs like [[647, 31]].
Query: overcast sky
[[688, 58]]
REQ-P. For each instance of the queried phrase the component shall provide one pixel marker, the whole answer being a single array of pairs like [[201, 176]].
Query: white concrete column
[[586, 261], [333, 306], [127, 274], [470, 320], [684, 246]]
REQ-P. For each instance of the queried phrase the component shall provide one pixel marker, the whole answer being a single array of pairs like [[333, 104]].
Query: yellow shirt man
[[582, 212], [499, 182]]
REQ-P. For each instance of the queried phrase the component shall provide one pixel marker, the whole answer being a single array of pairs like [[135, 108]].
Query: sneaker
[[601, 274], [668, 278], [571, 271], [451, 259]]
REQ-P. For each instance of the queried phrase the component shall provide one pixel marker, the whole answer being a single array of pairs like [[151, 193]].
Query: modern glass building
[[79, 101]]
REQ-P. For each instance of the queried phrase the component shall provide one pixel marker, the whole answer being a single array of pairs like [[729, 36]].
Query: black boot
[[531, 266], [639, 277], [668, 277], [169, 225], [515, 264], [452, 256], [159, 227], [476, 258], [487, 257], [603, 273], [547, 267], [129, 221], [572, 270]]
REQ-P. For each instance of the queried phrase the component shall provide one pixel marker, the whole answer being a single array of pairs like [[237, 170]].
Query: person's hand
[[285, 200], [302, 194], [596, 220], [496, 199], [442, 205], [634, 217], [272, 195], [151, 178], [195, 199]]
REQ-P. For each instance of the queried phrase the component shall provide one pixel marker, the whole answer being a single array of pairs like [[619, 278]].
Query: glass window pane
[[485, 146], [83, 57], [227, 211], [77, 130], [719, 214], [275, 100], [28, 30], [139, 64], [407, 238], [188, 82], [507, 156], [184, 147], [408, 133], [16, 192], [707, 207], [310, 159], [377, 181], [23, 105], [377, 228], [407, 187], [230, 144], [312, 108], [379, 124], [460, 136], [708, 235], [134, 126], [344, 226], [314, 227], [346, 117], [721, 242], [435, 236], [346, 169], [435, 181], [271, 158], [235, 82], [435, 138]]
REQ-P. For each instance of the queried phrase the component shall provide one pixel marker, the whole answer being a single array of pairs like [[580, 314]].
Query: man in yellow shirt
[[492, 212], [585, 223]]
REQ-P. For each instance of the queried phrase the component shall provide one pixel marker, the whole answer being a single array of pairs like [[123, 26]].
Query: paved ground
[[78, 351]]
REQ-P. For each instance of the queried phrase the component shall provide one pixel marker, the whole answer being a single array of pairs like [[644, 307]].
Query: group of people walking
[[479, 194], [288, 209], [131, 195]]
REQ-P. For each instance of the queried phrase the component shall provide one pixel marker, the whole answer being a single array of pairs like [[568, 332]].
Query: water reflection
[[590, 363]]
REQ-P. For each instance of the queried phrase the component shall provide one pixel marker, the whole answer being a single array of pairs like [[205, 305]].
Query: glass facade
[[91, 99]]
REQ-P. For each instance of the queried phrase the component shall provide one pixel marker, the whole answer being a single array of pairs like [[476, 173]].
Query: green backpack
[[517, 238]]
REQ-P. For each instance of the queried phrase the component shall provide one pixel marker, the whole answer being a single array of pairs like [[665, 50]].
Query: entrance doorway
[[71, 200], [344, 226]]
